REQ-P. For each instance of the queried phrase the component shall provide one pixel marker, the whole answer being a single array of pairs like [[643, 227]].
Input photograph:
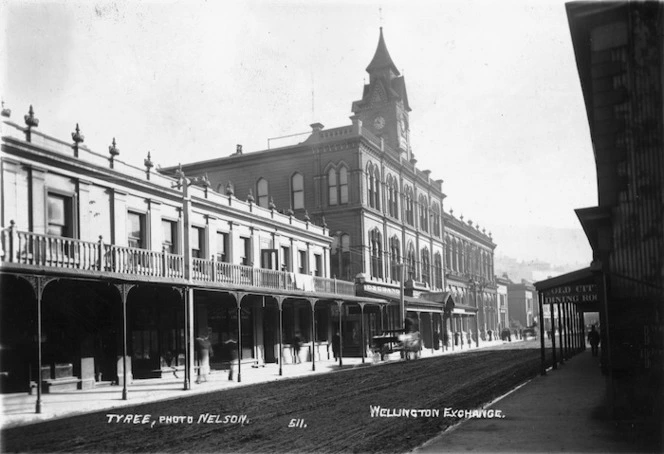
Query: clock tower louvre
[[384, 106]]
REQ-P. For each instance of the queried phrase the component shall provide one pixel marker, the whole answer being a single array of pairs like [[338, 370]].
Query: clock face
[[379, 123]]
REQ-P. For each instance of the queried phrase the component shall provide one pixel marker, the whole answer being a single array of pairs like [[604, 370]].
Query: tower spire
[[381, 59]]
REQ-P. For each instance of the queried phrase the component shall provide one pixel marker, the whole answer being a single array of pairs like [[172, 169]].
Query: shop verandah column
[[560, 334], [553, 336], [540, 298], [38, 284]]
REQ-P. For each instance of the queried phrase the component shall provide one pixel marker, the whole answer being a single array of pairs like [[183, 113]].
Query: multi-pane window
[[302, 262], [410, 263], [262, 192], [438, 271], [318, 265], [373, 183], [332, 187], [197, 242], [169, 236], [448, 253], [408, 202], [136, 230], [424, 213], [376, 253], [285, 258], [425, 264], [455, 256], [392, 195], [245, 257], [395, 258], [60, 218], [297, 188], [222, 247], [343, 184], [435, 214]]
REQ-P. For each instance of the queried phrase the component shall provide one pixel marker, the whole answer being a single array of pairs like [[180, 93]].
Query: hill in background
[[535, 253]]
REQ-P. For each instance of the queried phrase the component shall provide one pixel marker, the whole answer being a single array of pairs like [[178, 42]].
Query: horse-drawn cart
[[397, 340]]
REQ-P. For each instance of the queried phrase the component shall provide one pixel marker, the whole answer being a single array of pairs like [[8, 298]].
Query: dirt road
[[326, 413]]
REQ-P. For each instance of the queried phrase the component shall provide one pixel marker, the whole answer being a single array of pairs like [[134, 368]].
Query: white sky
[[497, 107]]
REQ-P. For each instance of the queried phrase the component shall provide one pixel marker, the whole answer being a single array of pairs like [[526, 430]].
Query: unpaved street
[[332, 412]]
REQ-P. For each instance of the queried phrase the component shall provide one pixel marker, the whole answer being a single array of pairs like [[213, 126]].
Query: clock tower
[[384, 107]]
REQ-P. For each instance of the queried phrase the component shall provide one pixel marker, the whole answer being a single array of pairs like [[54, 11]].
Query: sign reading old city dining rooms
[[577, 293]]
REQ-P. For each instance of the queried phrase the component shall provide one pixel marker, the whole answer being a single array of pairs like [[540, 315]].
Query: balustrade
[[59, 252]]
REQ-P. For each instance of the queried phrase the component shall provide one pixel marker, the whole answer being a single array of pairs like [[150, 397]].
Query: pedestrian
[[297, 343], [169, 359], [231, 346], [205, 352], [336, 343], [594, 339]]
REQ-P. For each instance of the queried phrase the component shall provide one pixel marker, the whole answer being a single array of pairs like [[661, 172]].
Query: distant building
[[522, 300], [619, 53], [503, 302]]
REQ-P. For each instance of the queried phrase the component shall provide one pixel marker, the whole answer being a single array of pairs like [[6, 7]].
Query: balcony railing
[[50, 251]]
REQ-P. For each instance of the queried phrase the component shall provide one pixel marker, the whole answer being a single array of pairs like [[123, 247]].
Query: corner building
[[362, 181]]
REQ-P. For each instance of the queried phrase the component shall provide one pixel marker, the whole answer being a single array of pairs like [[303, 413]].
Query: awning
[[577, 287], [429, 302]]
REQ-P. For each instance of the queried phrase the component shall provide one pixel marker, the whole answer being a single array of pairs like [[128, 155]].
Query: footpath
[[563, 411], [18, 409]]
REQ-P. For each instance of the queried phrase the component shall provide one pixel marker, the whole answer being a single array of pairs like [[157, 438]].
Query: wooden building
[[619, 50]]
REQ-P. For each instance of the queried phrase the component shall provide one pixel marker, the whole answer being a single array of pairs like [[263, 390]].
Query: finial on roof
[[250, 197], [147, 162], [6, 112], [77, 137], [271, 205], [113, 150]]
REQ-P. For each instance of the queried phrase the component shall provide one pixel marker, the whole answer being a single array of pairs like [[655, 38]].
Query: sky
[[497, 110]]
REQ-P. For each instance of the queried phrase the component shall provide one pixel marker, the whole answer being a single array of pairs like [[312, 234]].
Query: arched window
[[424, 213], [373, 179], [425, 264], [438, 271], [392, 195], [262, 192], [435, 214], [389, 193], [410, 263], [408, 202], [343, 184], [376, 253], [332, 187], [297, 191], [455, 255], [395, 258], [448, 253]]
